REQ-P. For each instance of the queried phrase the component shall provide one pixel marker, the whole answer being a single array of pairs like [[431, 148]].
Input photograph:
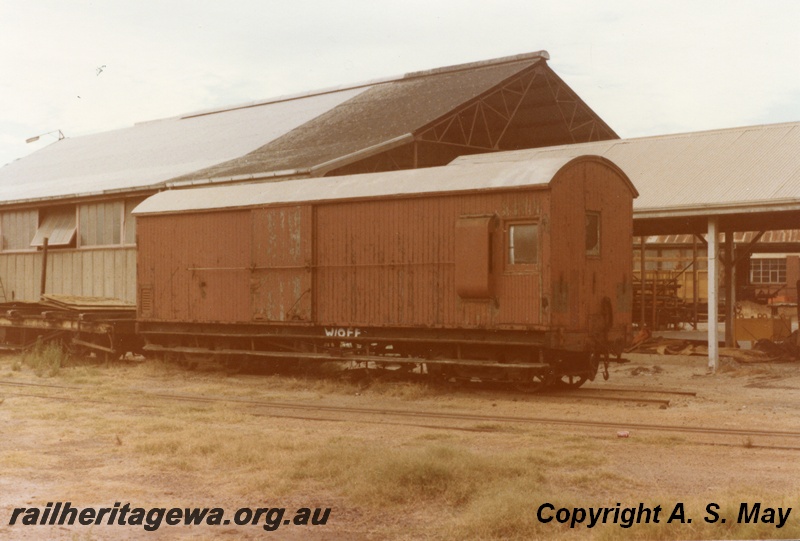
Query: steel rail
[[420, 414]]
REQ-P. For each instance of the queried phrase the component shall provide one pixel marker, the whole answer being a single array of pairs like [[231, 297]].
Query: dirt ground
[[107, 435]]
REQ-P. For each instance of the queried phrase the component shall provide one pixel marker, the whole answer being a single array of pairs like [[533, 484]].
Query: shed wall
[[106, 272]]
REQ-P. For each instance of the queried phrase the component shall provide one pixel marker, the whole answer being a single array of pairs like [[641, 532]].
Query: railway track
[[318, 412]]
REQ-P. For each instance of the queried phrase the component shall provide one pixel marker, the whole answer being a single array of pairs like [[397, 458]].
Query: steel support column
[[642, 267], [713, 295], [695, 285], [730, 291]]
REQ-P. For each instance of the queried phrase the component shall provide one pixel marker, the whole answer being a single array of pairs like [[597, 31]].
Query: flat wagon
[[519, 271]]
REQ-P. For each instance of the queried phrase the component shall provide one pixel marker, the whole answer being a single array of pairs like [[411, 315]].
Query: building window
[[18, 228], [101, 223], [57, 225], [108, 223], [593, 233], [523, 247], [768, 271]]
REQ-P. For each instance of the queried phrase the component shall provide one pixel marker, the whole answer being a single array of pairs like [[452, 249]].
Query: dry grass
[[105, 440], [45, 359]]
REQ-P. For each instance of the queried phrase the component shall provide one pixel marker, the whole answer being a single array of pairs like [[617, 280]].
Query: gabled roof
[[391, 114], [315, 133], [748, 169]]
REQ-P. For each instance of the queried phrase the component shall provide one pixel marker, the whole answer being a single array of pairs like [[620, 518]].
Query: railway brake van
[[517, 271]]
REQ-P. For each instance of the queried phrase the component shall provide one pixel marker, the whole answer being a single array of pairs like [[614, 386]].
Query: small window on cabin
[[523, 248], [593, 233], [57, 225]]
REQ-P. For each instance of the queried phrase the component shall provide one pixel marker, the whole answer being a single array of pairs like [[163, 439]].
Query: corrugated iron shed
[[310, 134], [150, 153], [396, 113]]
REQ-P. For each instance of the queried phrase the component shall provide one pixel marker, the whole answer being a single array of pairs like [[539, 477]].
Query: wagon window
[[592, 233], [522, 244]]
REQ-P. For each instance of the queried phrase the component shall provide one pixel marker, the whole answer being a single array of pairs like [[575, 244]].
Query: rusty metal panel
[[282, 257], [198, 266]]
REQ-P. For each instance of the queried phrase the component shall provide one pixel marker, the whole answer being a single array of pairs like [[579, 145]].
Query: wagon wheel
[[532, 383], [571, 381]]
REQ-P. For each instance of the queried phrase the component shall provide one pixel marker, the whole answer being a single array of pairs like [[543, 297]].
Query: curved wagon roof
[[535, 171]]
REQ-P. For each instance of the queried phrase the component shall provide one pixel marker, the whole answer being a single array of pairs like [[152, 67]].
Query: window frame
[[123, 228], [24, 244], [508, 246], [775, 265]]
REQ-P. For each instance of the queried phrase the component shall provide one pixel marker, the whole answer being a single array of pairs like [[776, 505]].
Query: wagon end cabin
[[514, 271]]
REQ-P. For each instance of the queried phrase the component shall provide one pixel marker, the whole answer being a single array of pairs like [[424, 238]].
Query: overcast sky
[[646, 67]]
